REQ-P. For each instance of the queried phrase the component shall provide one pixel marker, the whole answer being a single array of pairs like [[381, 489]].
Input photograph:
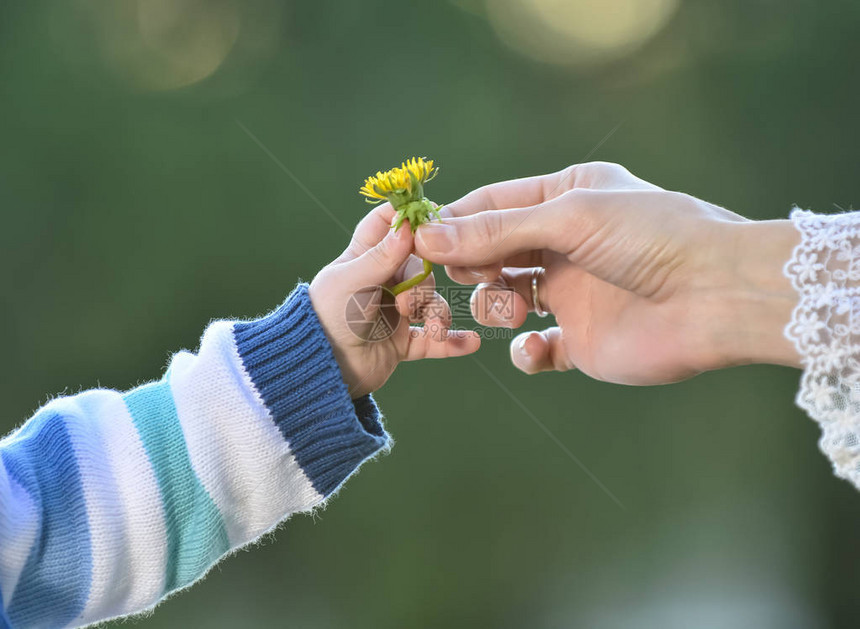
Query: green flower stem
[[413, 281]]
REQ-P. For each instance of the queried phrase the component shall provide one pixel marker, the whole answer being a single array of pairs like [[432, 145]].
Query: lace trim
[[825, 329]]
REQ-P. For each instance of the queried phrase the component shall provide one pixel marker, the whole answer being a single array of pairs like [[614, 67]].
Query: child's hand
[[354, 309]]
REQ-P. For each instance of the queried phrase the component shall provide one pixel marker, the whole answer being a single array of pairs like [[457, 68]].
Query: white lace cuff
[[825, 329]]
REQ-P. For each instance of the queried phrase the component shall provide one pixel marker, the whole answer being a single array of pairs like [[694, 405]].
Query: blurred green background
[[135, 209]]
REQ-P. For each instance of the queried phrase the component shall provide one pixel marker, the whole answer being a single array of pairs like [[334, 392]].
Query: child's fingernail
[[438, 237], [397, 234]]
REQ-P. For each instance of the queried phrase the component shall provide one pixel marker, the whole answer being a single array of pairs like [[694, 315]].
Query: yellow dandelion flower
[[403, 187], [401, 184]]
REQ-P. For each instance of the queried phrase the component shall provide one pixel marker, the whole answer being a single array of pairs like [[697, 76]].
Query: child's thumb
[[378, 264]]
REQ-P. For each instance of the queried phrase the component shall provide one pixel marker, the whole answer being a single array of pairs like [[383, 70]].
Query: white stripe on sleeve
[[126, 515], [236, 450]]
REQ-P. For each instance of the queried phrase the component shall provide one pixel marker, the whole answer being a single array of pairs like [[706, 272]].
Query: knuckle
[[581, 201], [567, 178], [581, 209], [491, 227], [594, 174], [483, 193], [479, 198], [607, 167], [682, 199], [602, 168], [382, 251]]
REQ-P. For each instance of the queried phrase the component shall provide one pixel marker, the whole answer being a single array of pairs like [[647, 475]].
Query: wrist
[[758, 297]]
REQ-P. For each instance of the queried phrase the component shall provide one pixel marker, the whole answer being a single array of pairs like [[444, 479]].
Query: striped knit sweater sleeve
[[110, 501]]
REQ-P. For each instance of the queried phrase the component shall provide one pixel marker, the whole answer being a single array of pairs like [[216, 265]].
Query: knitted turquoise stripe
[[196, 535]]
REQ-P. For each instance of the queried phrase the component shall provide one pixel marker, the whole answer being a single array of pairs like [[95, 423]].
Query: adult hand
[[647, 286]]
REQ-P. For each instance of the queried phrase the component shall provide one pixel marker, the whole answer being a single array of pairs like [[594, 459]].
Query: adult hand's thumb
[[489, 236]]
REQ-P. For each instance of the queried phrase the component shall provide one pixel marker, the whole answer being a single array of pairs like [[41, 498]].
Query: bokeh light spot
[[168, 44], [578, 32]]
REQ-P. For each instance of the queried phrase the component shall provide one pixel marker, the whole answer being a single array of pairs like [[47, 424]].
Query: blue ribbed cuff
[[292, 365]]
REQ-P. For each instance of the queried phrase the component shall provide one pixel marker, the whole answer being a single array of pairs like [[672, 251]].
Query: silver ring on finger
[[537, 274]]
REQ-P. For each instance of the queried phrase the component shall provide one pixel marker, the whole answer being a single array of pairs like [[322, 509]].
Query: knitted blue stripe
[[196, 535], [55, 582], [294, 369], [4, 619]]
